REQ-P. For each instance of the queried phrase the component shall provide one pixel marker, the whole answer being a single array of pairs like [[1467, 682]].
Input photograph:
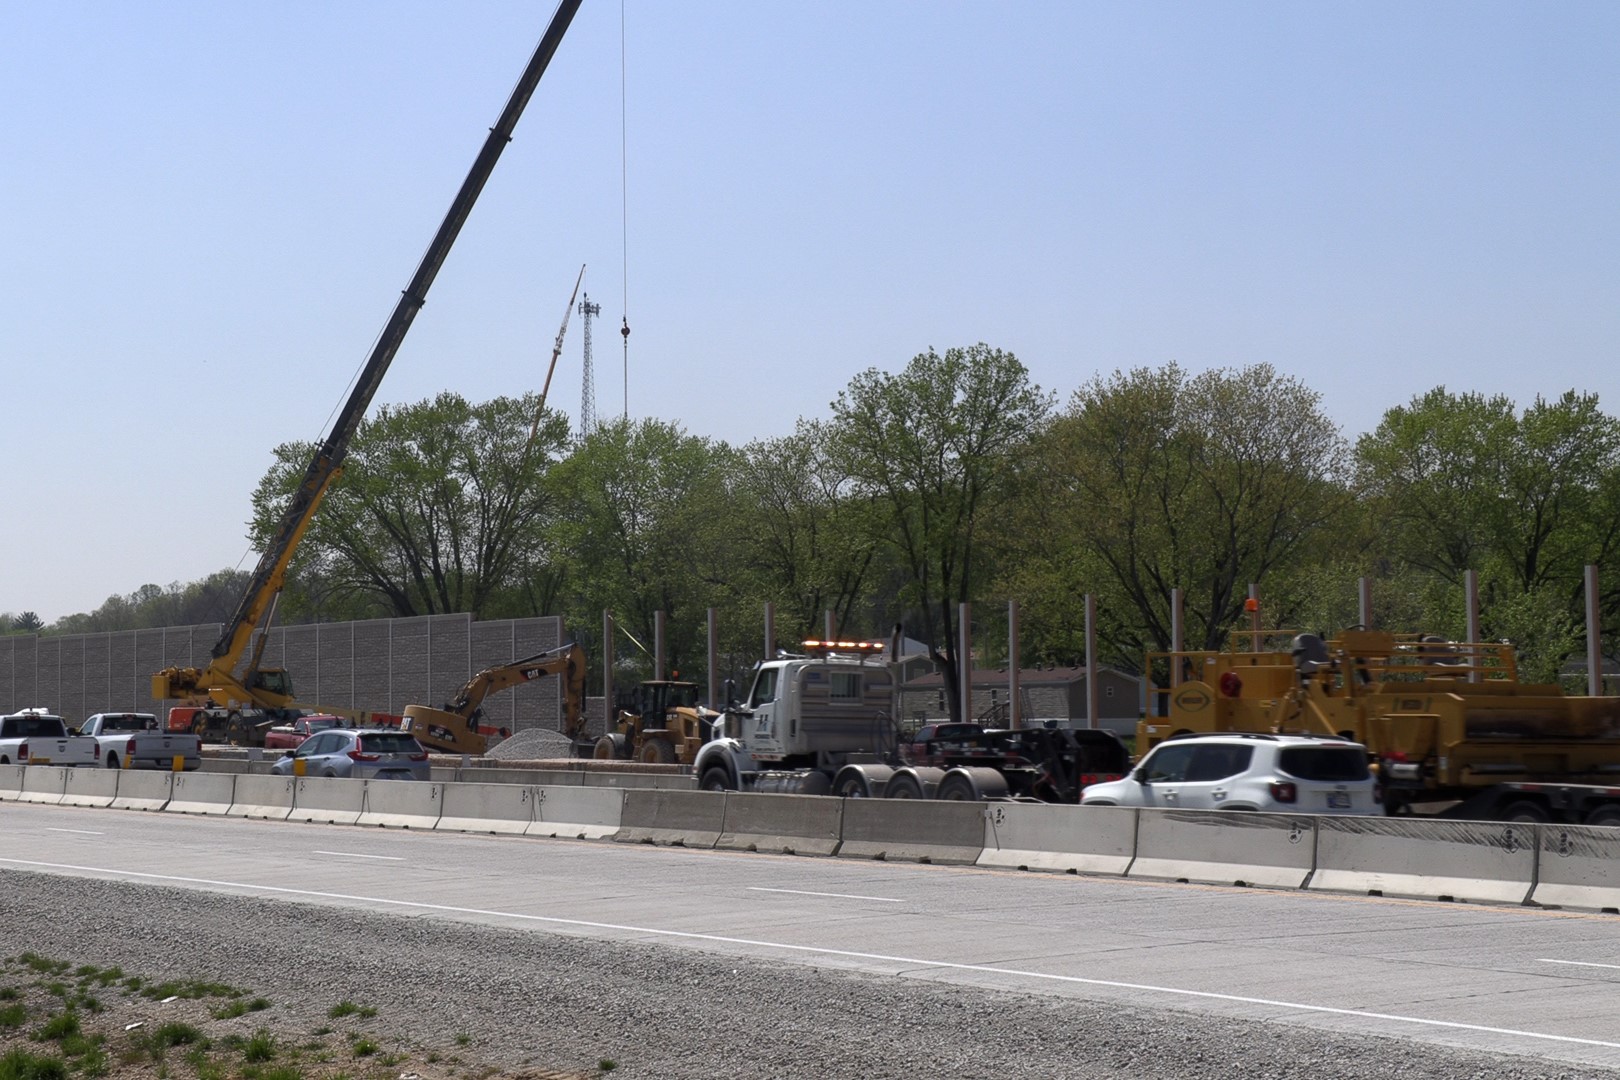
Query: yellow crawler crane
[[1445, 721]]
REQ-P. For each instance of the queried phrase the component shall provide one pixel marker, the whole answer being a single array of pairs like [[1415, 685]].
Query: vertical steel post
[[1364, 595], [1093, 691], [658, 644], [1178, 636], [829, 630], [964, 659], [607, 670], [770, 629], [714, 656], [1471, 591], [1594, 634], [1253, 607], [1015, 707]]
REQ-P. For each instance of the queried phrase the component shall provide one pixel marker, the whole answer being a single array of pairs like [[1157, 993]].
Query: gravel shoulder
[[461, 1000]]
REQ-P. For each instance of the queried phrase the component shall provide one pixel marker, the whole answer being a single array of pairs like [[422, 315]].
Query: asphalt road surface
[[1545, 984]]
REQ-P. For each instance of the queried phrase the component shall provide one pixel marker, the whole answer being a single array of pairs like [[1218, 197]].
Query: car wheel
[[112, 761], [1525, 810], [329, 774], [715, 778]]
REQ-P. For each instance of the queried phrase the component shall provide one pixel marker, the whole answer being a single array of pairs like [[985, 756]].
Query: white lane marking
[[839, 896], [1580, 963], [819, 951], [356, 855], [81, 832]]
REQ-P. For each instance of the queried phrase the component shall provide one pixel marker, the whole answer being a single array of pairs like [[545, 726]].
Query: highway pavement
[[1507, 979]]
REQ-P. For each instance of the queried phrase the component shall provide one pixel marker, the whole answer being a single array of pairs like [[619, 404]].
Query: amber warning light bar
[[846, 646]]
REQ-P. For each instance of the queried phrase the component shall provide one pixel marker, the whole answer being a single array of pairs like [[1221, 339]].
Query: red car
[[288, 736]]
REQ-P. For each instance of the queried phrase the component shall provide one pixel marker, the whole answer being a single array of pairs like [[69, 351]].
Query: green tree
[[931, 449], [646, 526], [808, 541], [441, 506], [1153, 480]]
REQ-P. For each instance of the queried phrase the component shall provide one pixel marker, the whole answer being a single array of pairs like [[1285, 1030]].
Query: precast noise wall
[[380, 665]]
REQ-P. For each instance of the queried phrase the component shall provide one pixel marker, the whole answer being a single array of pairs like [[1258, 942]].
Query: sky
[[210, 209]]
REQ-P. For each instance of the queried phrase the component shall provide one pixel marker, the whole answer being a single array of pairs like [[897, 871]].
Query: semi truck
[[821, 722], [1449, 725]]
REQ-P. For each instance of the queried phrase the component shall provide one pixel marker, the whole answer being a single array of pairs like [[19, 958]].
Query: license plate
[[1338, 800]]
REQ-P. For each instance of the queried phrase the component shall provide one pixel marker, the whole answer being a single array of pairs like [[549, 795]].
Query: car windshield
[[388, 743], [1324, 762]]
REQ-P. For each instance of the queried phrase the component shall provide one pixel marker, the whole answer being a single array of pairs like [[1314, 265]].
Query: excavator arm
[[219, 681], [454, 728]]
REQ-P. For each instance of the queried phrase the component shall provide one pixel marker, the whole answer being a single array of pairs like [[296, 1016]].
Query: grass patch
[[261, 1047], [349, 1008], [20, 1064], [9, 993], [463, 1039], [365, 1047], [175, 1033], [59, 1027], [230, 1010], [45, 966], [190, 990], [14, 1015], [607, 1065]]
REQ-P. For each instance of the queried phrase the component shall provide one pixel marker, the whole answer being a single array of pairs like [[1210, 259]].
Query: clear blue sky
[[210, 208]]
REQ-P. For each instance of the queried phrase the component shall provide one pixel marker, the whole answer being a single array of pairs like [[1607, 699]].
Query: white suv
[[1285, 774]]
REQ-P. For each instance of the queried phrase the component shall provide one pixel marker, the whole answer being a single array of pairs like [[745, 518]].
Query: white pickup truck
[[35, 737], [135, 741]]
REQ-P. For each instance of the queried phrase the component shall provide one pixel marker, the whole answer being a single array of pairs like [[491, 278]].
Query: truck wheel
[[861, 781], [903, 785], [1526, 811], [972, 785], [112, 761], [1604, 815], [716, 778], [607, 747], [656, 750]]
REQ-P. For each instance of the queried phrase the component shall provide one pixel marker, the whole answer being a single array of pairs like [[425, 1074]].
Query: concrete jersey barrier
[[402, 804], [1073, 839], [1579, 867], [1426, 858], [1224, 847], [10, 782], [266, 797], [142, 790], [43, 784], [691, 819], [913, 830], [329, 800], [202, 793], [576, 813], [90, 787], [789, 824], [487, 808]]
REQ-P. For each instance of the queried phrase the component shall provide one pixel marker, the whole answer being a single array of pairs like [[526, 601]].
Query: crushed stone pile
[[532, 744]]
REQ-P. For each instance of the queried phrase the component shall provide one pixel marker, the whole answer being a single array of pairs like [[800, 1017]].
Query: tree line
[[958, 479]]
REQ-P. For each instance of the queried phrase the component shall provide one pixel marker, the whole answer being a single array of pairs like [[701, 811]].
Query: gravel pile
[[541, 1001], [532, 744]]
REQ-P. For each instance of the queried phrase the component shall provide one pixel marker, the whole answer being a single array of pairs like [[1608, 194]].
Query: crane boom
[[220, 681]]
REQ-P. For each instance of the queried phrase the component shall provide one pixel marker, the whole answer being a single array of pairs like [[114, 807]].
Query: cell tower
[[587, 405]]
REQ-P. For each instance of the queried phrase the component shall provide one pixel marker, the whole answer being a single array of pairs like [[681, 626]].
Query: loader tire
[[656, 750]]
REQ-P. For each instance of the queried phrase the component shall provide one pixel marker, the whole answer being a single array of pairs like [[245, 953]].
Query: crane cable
[[624, 217]]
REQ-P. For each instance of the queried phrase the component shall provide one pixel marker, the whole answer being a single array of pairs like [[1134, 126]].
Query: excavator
[[454, 729], [247, 698]]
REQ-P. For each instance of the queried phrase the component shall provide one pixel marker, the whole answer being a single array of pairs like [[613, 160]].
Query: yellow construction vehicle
[[255, 698], [454, 729], [1445, 721], [660, 723]]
